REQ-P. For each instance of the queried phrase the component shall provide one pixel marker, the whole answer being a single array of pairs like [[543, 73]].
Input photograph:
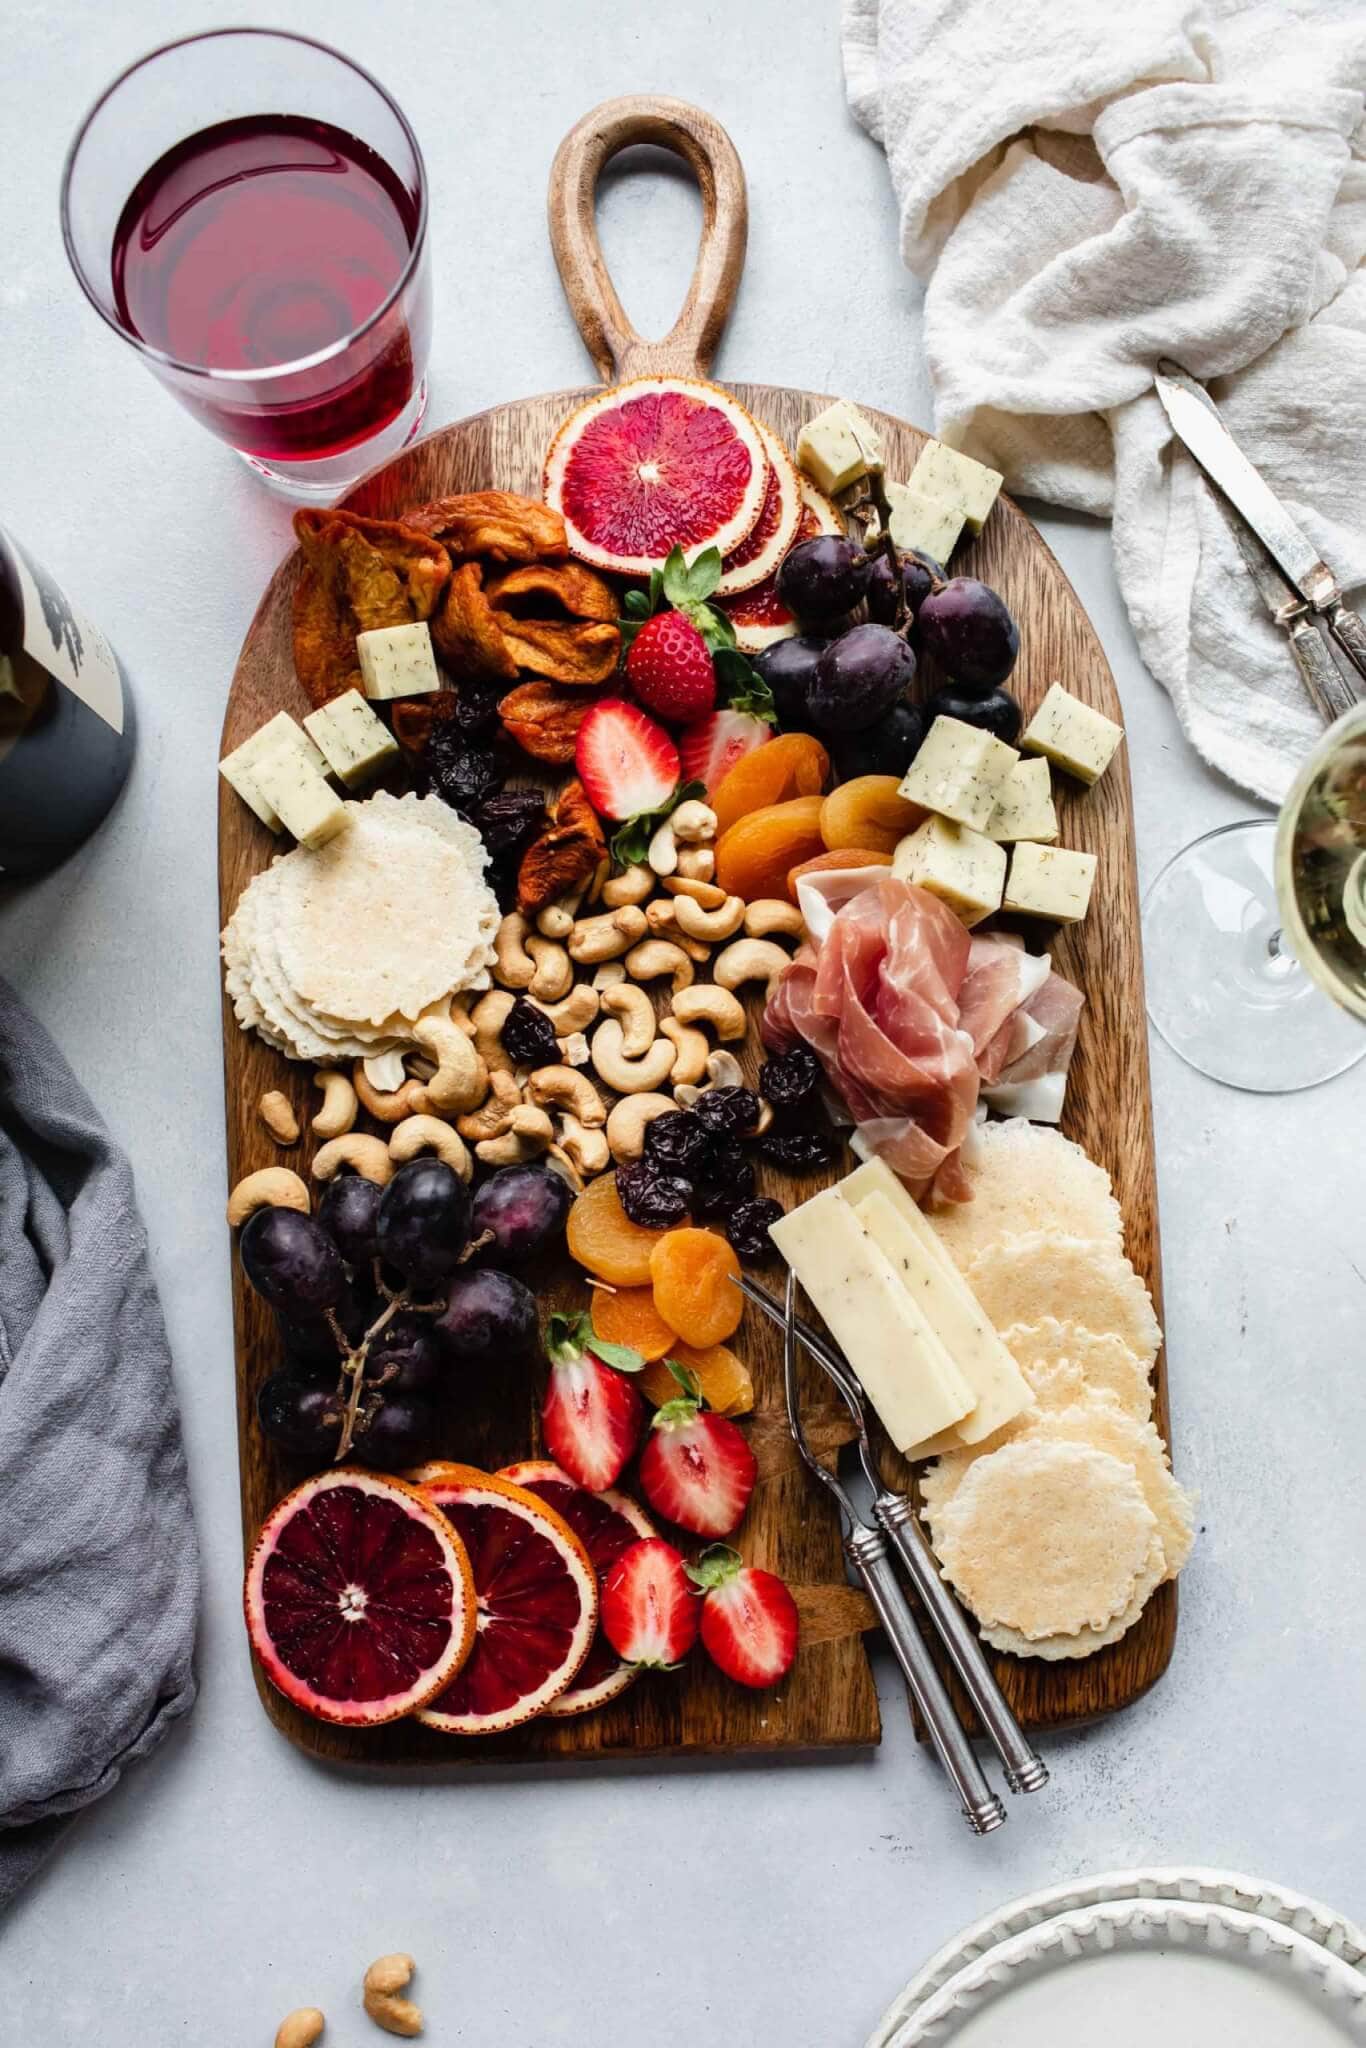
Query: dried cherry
[[462, 775], [726, 1178], [747, 1226], [475, 711], [734, 1111], [653, 1199], [677, 1142], [507, 819], [790, 1077], [529, 1036], [798, 1151]]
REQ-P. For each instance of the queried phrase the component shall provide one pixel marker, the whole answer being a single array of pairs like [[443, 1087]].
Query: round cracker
[[1022, 1279], [1085, 1643], [1084, 1360], [1026, 1177], [1047, 1537], [1101, 1424]]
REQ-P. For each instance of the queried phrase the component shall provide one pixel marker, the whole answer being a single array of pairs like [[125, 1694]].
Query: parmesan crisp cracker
[[1022, 1279], [1027, 1177], [1086, 1641], [1054, 1356]]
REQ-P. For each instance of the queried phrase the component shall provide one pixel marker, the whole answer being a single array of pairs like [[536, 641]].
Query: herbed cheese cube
[[397, 661], [304, 803], [237, 768], [1024, 809], [961, 867], [1071, 734], [838, 447], [929, 526], [1050, 881], [957, 480], [354, 741], [960, 772]]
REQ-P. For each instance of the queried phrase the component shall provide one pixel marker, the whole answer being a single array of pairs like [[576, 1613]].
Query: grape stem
[[877, 491], [353, 1368]]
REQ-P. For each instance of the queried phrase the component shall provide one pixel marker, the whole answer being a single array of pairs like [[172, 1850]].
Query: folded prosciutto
[[912, 1017]]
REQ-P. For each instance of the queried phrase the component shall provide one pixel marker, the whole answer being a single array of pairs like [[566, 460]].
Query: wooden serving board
[[829, 1699]]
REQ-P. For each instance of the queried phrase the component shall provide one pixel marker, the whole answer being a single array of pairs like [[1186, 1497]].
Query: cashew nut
[[574, 1049], [368, 1156], [637, 1014], [609, 974], [338, 1112], [694, 823], [428, 1134], [708, 1004], [630, 1077], [529, 1131], [276, 1112], [556, 921], [273, 1187], [409, 1100], [385, 1071], [605, 937], [567, 1089], [300, 2029], [559, 1161], [749, 960], [598, 879], [491, 1120], [696, 923], [769, 914], [626, 1124], [724, 1071], [488, 1016], [460, 1013], [697, 863], [574, 1012], [382, 1996], [461, 1079], [513, 966], [654, 957], [690, 1049], [661, 918], [662, 853], [587, 1150], [705, 893], [554, 975], [632, 885]]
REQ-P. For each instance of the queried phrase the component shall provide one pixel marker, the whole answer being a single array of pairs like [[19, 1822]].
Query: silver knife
[[1196, 419], [1330, 690]]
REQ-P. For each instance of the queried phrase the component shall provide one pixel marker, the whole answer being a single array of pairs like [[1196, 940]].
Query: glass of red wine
[[270, 268]]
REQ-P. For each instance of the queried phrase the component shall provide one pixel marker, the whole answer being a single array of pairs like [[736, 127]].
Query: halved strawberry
[[749, 1619], [592, 1416], [648, 1610], [710, 748], [696, 1469], [626, 762]]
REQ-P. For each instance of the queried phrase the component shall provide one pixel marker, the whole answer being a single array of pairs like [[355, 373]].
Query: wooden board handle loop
[[616, 348]]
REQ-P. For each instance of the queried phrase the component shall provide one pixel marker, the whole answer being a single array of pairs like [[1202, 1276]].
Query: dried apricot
[[602, 1237], [724, 1378], [793, 764], [630, 1317], [693, 1273], [840, 857], [753, 858], [868, 811]]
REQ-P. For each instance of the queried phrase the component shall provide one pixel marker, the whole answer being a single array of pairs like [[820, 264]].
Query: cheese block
[[895, 1224], [397, 661], [956, 480], [354, 742], [838, 447], [923, 525], [960, 772], [305, 804], [901, 1365], [1024, 809], [1072, 735], [962, 868], [236, 768], [1050, 881]]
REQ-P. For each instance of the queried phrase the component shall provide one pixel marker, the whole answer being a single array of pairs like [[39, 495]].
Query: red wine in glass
[[267, 241]]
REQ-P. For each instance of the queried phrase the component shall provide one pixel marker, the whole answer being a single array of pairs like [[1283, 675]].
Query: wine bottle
[[67, 724]]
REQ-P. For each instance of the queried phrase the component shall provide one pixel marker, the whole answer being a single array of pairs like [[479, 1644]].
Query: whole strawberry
[[670, 669]]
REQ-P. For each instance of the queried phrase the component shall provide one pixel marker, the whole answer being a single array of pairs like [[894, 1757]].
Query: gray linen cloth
[[99, 1570]]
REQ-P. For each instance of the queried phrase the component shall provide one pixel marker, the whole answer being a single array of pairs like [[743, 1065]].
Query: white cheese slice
[[305, 804], [962, 868], [960, 771], [397, 661], [1024, 808], [354, 742], [903, 1368], [838, 447], [957, 480], [1050, 881], [237, 767], [1072, 735], [923, 524]]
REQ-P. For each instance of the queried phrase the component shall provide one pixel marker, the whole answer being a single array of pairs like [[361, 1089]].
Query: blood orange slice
[[759, 616], [359, 1598], [538, 1601], [659, 463], [606, 1524], [768, 540]]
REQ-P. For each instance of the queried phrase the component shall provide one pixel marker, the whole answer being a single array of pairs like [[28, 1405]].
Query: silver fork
[[868, 1552], [1024, 1769]]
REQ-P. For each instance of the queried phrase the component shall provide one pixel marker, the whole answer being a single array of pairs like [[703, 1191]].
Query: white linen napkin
[[1085, 188]]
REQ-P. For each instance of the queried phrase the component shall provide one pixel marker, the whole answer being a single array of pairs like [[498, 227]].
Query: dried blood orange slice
[[773, 532], [359, 1598], [659, 463], [759, 616], [538, 1601], [606, 1524]]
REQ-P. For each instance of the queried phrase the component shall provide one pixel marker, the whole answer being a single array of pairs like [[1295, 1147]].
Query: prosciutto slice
[[909, 1015]]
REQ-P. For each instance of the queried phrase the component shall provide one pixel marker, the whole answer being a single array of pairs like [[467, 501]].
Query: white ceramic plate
[[1197, 1886], [1130, 1972]]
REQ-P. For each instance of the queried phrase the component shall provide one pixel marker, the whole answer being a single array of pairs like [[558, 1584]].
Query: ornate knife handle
[[1347, 629]]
